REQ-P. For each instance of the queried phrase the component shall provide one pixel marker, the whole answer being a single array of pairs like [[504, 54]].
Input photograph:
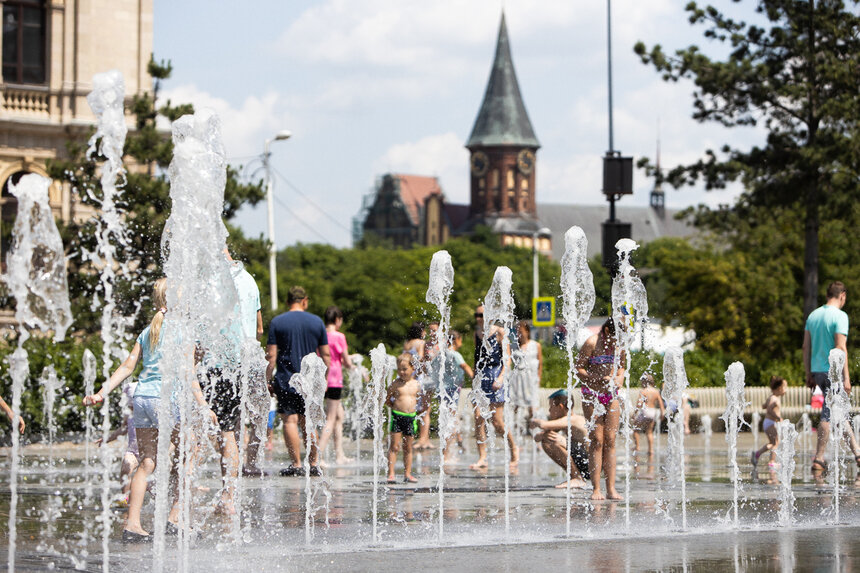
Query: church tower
[[502, 150]]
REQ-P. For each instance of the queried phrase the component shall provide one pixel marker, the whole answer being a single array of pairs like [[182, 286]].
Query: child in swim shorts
[[772, 416], [403, 400]]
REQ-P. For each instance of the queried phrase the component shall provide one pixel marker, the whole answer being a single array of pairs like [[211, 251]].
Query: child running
[[772, 416], [147, 349], [402, 398], [648, 407]]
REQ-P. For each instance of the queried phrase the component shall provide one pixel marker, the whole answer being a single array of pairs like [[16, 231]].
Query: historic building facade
[[50, 51]]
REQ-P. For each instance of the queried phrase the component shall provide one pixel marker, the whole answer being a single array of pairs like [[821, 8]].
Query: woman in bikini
[[601, 373]]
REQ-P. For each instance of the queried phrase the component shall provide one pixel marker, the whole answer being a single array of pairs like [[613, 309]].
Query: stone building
[[50, 50]]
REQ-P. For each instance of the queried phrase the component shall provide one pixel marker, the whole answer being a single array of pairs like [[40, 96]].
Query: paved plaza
[[58, 518]]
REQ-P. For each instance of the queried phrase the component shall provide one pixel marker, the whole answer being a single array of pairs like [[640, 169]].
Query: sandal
[[818, 465]]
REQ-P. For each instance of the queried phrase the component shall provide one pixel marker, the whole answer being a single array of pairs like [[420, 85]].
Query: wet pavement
[[59, 515]]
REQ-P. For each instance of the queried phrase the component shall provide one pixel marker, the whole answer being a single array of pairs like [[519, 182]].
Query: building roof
[[647, 224], [502, 119], [414, 191]]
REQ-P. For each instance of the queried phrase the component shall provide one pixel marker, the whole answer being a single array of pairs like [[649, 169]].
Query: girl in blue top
[[147, 349]]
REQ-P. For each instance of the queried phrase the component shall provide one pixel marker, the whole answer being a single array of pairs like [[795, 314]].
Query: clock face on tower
[[479, 163], [526, 161]]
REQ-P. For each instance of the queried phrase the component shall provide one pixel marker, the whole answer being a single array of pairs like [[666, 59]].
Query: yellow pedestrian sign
[[543, 311]]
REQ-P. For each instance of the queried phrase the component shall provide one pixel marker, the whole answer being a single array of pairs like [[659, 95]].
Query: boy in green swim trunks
[[402, 398]]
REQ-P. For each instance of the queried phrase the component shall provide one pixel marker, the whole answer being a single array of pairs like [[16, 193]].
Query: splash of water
[[201, 302], [805, 424], [499, 310], [106, 101], [577, 290], [440, 285], [734, 419], [785, 457], [310, 383], [755, 424], [708, 430], [840, 409], [354, 410], [380, 372], [674, 385], [36, 277], [629, 308]]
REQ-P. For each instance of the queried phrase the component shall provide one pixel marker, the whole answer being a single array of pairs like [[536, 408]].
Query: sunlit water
[[407, 515]]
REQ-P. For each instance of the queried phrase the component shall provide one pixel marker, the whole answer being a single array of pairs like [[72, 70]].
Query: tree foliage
[[795, 71]]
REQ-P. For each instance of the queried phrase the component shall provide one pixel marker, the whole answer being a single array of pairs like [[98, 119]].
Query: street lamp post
[[542, 232], [273, 278]]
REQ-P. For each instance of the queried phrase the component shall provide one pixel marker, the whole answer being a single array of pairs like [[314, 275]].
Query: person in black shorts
[[554, 443], [292, 336]]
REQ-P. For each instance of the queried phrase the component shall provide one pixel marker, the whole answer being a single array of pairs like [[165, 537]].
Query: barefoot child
[[453, 376], [147, 394], [402, 398], [648, 407], [778, 388]]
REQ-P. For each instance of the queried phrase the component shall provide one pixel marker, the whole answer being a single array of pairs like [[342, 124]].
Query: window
[[510, 178], [24, 34]]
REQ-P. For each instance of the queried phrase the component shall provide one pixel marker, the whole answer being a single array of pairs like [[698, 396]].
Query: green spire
[[502, 119]]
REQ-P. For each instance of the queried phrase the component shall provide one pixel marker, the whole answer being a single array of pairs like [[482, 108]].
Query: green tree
[[796, 74], [145, 201]]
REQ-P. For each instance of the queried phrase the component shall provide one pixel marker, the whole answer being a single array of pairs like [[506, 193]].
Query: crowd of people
[[506, 371]]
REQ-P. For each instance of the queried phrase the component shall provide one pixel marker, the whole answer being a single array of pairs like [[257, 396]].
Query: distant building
[[412, 210]]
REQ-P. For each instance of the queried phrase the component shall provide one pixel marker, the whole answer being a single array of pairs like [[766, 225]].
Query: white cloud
[[442, 156], [244, 128]]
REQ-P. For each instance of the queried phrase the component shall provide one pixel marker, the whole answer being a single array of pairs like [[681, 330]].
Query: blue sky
[[375, 86]]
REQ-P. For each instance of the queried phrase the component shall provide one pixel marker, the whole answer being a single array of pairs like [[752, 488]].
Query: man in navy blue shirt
[[292, 336]]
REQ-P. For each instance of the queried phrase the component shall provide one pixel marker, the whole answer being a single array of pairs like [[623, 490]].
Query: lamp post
[[273, 279], [542, 232]]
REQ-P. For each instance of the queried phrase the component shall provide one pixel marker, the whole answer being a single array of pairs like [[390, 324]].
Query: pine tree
[[798, 75]]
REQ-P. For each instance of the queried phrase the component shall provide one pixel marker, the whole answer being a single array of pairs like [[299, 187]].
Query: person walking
[[292, 336], [826, 329]]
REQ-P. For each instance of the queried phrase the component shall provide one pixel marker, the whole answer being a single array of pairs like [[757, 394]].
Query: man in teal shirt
[[826, 329]]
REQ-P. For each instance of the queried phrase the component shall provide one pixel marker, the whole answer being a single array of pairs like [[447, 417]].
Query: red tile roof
[[414, 191]]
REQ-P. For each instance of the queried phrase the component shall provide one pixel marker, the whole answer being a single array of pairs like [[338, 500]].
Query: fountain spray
[[577, 290], [734, 419], [380, 370], [440, 285], [201, 302], [106, 101], [629, 306], [36, 277], [785, 457], [840, 408], [499, 311], [310, 383], [674, 385]]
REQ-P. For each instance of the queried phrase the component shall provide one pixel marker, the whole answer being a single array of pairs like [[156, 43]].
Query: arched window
[[24, 42], [8, 212]]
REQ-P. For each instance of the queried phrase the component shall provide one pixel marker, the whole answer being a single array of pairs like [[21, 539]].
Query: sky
[[368, 87]]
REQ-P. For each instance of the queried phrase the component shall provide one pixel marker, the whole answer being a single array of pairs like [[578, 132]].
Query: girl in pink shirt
[[334, 408]]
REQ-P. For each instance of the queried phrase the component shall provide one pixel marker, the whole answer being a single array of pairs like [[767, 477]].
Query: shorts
[[494, 396], [145, 411], [768, 424], [822, 380], [333, 393], [400, 422], [579, 457], [224, 397], [290, 403], [451, 396]]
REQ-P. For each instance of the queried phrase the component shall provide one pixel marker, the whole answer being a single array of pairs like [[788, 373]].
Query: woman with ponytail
[[147, 349]]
